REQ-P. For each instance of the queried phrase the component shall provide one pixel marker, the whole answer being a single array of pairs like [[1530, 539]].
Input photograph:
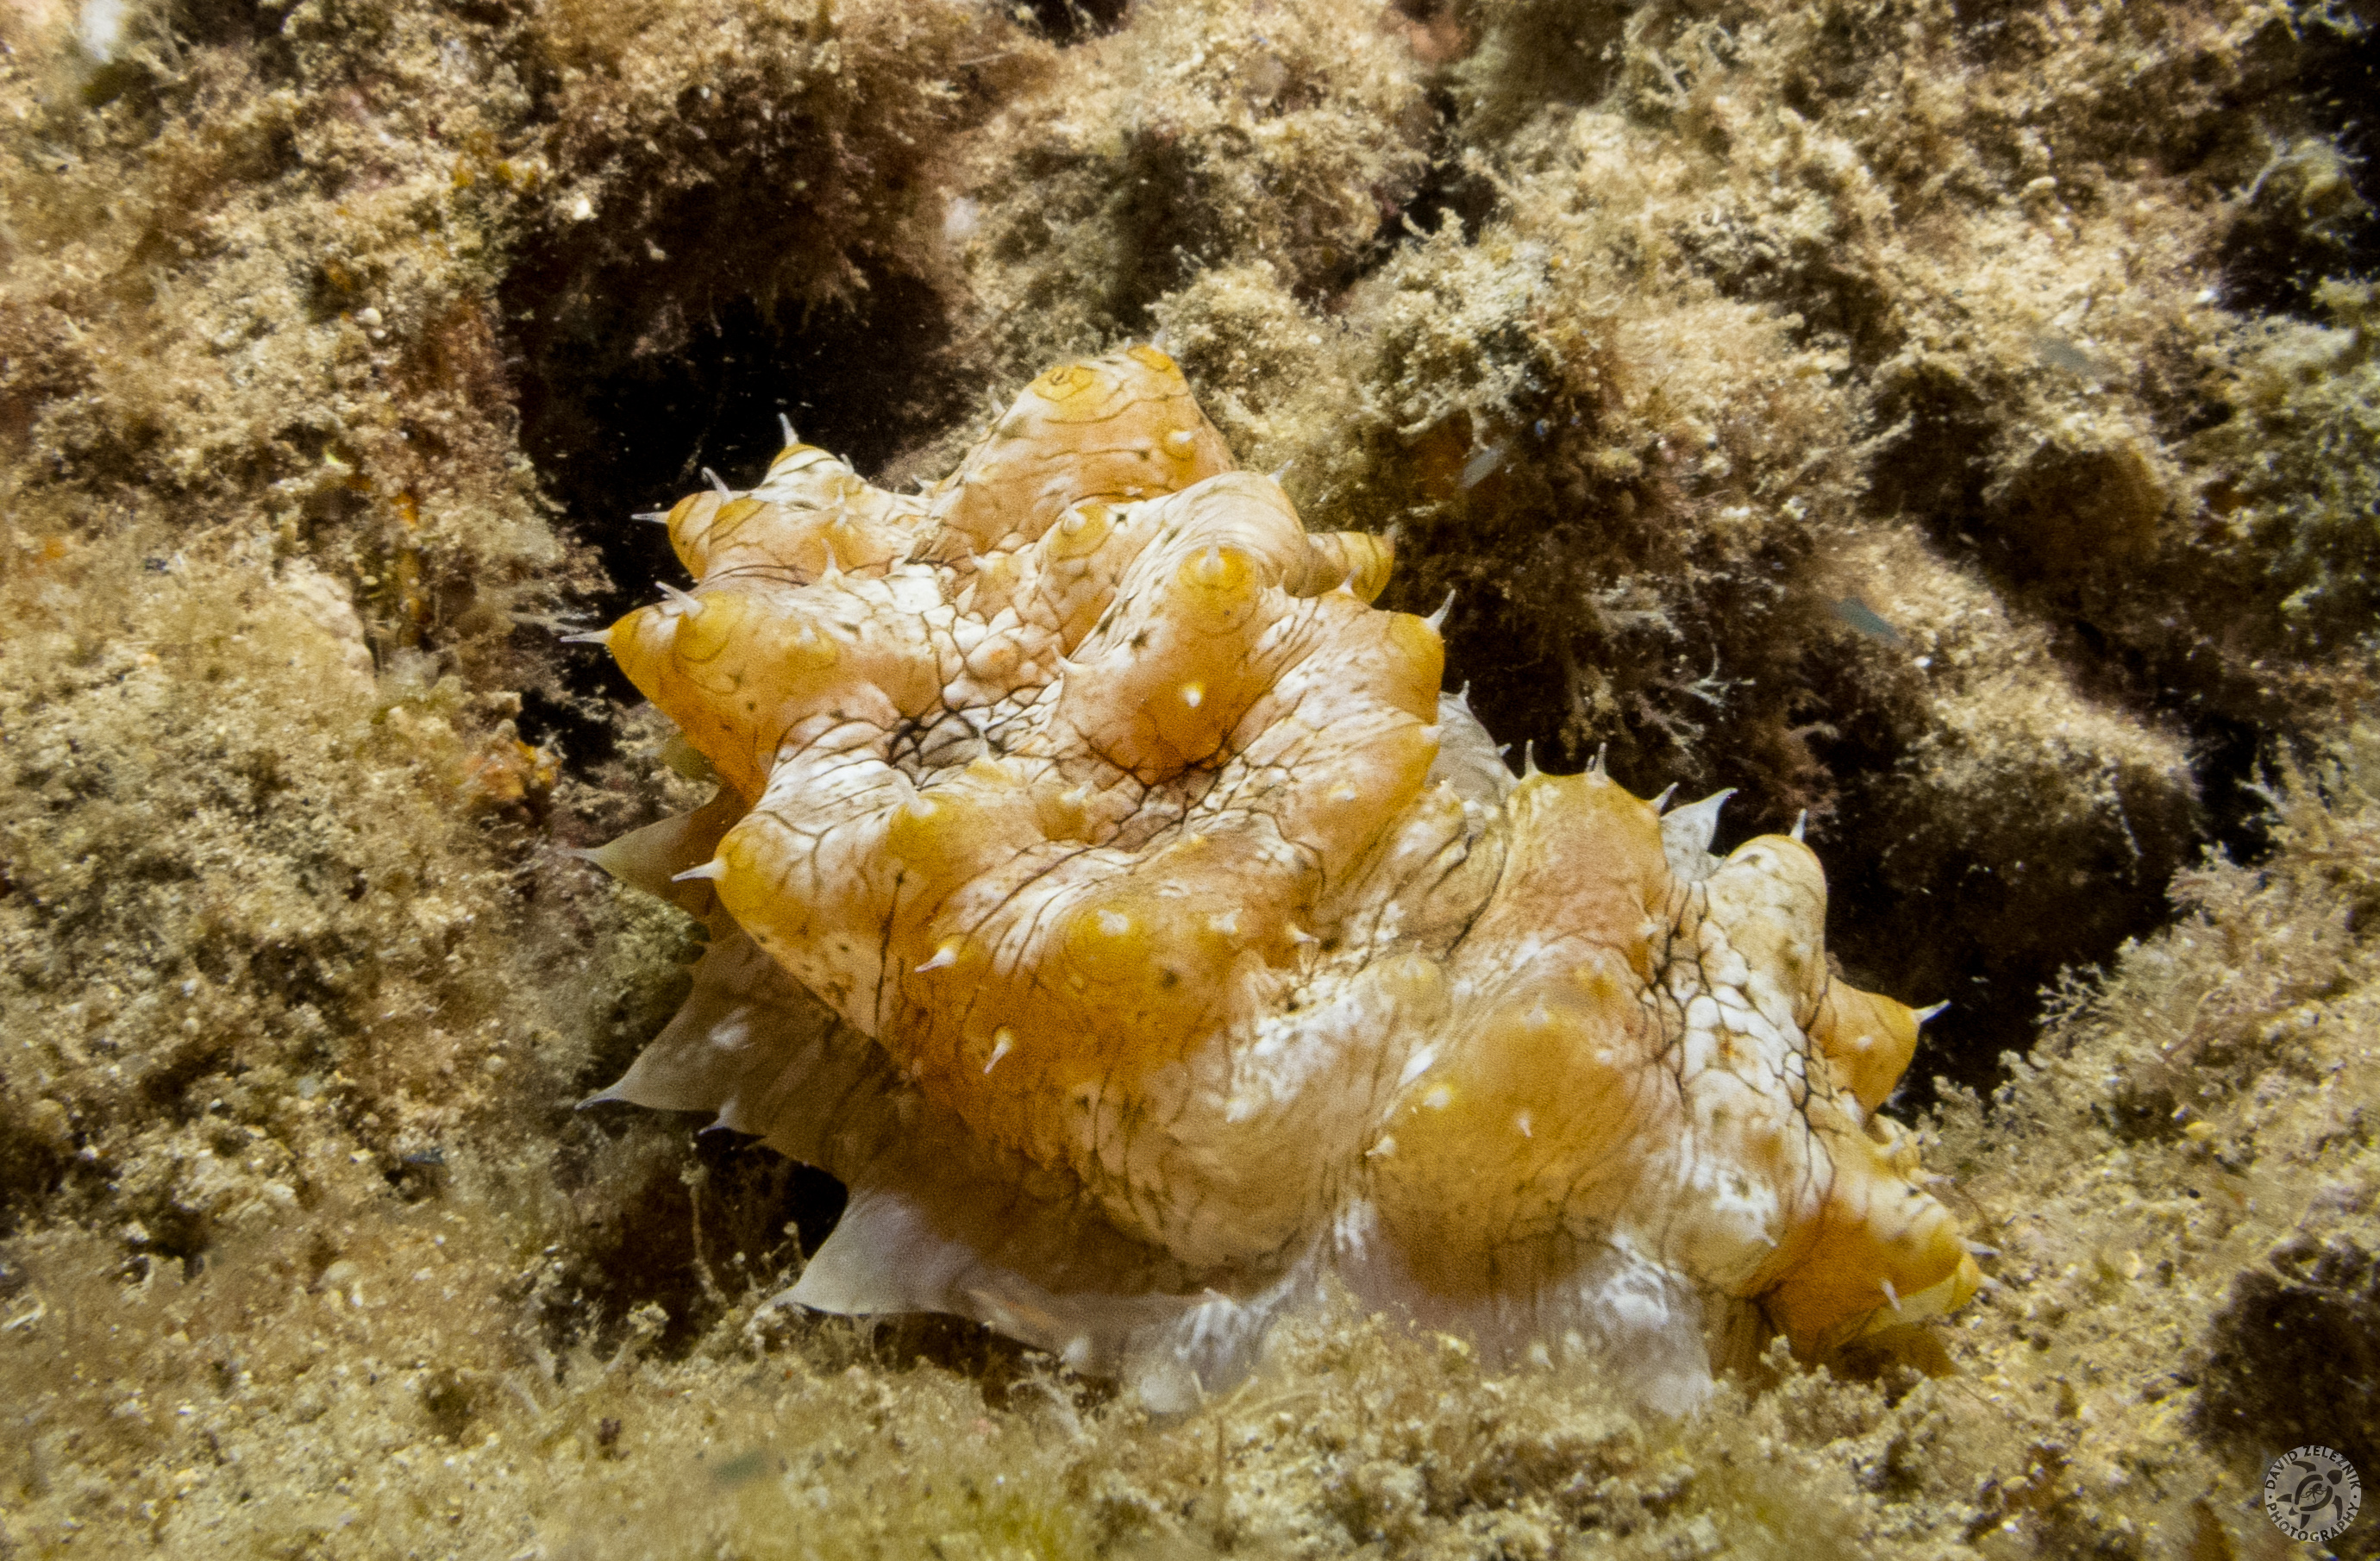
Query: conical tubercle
[[1687, 833]]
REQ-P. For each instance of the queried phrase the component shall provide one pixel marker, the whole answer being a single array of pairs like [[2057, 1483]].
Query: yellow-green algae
[[1955, 420]]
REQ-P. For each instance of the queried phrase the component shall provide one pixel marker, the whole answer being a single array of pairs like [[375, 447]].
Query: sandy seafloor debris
[[1955, 420]]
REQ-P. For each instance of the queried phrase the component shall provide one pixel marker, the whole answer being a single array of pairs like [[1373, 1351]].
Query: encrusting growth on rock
[[1102, 886]]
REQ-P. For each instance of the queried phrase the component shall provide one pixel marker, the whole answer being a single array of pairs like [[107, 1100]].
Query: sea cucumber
[[1104, 889]]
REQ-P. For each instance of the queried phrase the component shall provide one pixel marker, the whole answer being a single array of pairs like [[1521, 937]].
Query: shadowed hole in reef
[[720, 1233], [2313, 210], [2293, 1359], [1451, 192], [614, 433], [1066, 22]]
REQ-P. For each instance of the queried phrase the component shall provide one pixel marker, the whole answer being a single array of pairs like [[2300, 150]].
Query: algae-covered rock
[[1952, 422]]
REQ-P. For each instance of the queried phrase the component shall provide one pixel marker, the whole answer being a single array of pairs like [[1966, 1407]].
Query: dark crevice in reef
[[236, 24], [1992, 934], [731, 1228], [2233, 760], [1945, 938], [1067, 22], [1549, 54], [2313, 210], [31, 1172], [615, 432], [726, 1230], [577, 714], [2294, 1359], [1451, 192], [1166, 206]]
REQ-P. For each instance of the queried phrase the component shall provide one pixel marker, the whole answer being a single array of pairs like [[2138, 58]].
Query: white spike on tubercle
[[1003, 1040], [1438, 619], [1661, 803], [592, 637], [945, 957], [1922, 1015], [788, 424], [1890, 1293], [686, 601], [718, 484], [1282, 469], [1596, 768], [1687, 833], [658, 517], [1801, 823], [714, 869], [1529, 770]]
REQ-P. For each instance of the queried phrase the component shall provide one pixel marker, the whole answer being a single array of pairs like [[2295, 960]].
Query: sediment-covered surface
[[1956, 421]]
